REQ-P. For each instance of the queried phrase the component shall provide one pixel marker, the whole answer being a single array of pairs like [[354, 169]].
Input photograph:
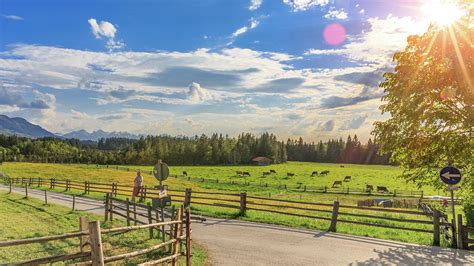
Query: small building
[[261, 161]]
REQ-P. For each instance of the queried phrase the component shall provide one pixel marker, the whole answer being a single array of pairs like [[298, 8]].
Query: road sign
[[450, 175], [161, 171]]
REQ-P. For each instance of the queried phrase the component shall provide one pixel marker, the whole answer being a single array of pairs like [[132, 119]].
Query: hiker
[[137, 185]]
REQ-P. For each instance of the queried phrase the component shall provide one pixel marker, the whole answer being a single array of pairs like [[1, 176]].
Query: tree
[[430, 99]]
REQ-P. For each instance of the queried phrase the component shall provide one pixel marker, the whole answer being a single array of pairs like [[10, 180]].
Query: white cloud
[[253, 24], [336, 14], [12, 17], [197, 94], [106, 30], [255, 4], [302, 5], [362, 11]]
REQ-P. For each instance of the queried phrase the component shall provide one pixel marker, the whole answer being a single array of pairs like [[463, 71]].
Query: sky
[[307, 68]]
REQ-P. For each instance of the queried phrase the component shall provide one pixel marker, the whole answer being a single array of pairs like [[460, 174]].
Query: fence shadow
[[418, 255]]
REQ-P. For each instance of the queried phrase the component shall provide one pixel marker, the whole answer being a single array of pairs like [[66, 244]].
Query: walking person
[[137, 185]]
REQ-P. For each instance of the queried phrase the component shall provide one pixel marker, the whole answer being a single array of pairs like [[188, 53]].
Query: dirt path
[[236, 242]]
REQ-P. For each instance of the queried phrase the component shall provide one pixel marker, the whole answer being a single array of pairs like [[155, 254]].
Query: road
[[236, 242]]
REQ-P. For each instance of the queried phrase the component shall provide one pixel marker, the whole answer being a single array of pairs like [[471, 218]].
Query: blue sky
[[293, 67]]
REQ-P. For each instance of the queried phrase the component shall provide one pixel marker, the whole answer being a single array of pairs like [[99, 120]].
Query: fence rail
[[295, 188], [333, 212], [90, 235]]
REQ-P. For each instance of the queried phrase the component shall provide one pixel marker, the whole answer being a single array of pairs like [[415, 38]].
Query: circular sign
[[161, 171], [450, 175]]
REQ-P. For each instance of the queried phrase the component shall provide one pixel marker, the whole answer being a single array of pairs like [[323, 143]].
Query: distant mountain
[[20, 127], [96, 135]]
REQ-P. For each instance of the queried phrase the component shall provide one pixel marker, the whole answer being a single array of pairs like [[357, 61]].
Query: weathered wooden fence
[[334, 213], [464, 240], [91, 246], [297, 187]]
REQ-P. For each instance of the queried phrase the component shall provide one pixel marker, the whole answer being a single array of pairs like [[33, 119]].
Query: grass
[[26, 218], [386, 174]]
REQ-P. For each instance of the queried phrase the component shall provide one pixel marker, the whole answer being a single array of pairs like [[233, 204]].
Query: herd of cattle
[[337, 183]]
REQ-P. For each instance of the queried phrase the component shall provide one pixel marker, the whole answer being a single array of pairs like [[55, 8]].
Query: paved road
[[235, 242]]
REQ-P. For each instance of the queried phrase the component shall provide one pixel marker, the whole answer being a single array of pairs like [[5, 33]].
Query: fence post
[[83, 227], [394, 192], [243, 203], [128, 212], [97, 255], [73, 202], [26, 191], [68, 185], [85, 187], [45, 197], [436, 232], [134, 213], [187, 198], [10, 191], [335, 212], [325, 189], [459, 232], [106, 207], [188, 237], [177, 235], [111, 207], [149, 219]]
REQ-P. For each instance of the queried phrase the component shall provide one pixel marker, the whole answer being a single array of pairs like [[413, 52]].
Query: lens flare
[[334, 34]]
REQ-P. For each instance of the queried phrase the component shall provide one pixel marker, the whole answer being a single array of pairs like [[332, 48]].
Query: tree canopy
[[429, 98]]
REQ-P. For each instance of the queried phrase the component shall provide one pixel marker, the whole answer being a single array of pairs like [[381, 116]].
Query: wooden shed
[[261, 161]]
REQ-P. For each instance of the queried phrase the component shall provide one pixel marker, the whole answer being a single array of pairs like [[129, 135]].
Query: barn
[[261, 161]]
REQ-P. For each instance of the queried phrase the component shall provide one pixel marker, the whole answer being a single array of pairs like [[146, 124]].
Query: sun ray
[[460, 58]]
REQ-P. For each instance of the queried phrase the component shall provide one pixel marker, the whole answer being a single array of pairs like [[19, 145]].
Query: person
[[137, 185]]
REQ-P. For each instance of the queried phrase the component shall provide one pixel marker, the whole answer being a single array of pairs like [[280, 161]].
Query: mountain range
[[21, 127]]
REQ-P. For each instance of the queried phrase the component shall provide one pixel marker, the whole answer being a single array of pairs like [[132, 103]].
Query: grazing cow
[[342, 166], [347, 178], [290, 174], [273, 171], [369, 188], [245, 173], [382, 189], [337, 183], [315, 173], [325, 172], [185, 173], [239, 172], [265, 173]]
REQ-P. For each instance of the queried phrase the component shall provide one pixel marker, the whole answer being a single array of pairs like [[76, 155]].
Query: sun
[[441, 13]]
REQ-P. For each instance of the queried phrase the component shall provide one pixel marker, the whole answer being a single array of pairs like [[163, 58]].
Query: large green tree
[[429, 98]]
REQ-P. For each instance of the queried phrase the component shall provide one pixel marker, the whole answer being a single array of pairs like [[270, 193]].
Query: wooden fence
[[91, 246], [334, 213], [296, 188], [464, 242]]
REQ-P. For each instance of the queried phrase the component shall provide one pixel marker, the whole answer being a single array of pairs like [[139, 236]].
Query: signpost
[[161, 172], [451, 176]]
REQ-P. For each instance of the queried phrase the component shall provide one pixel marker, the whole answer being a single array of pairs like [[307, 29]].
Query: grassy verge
[[26, 218]]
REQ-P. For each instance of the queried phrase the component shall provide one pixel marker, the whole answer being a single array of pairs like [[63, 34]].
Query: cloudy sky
[[306, 68]]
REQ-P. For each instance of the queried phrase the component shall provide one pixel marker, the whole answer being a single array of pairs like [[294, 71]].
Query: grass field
[[108, 175], [26, 218]]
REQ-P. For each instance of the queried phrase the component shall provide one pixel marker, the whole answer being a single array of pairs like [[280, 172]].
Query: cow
[[245, 173], [273, 171], [337, 183], [342, 166], [266, 173], [347, 178], [290, 174], [315, 173], [239, 172], [369, 188], [325, 172], [382, 189], [185, 173]]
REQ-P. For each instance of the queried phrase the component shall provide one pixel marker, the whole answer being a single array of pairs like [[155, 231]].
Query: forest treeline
[[198, 150]]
